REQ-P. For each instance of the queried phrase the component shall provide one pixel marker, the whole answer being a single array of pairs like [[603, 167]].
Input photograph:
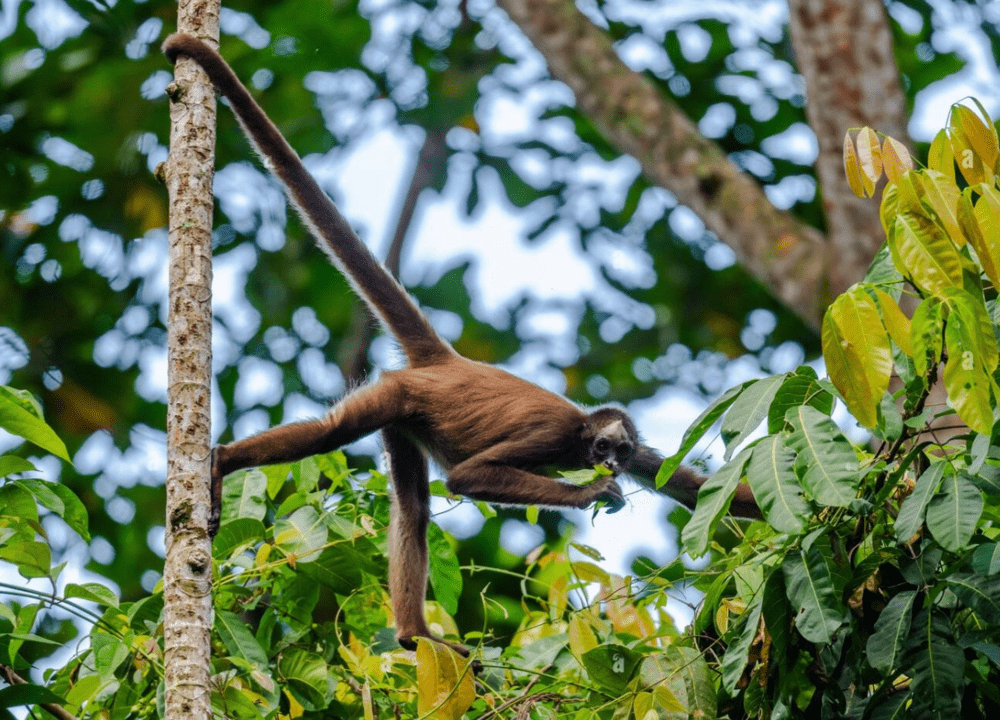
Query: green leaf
[[685, 676], [698, 428], [892, 629], [973, 221], [17, 419], [748, 410], [339, 568], [308, 677], [896, 323], [809, 581], [925, 253], [243, 495], [952, 515], [734, 662], [445, 574], [938, 671], [302, 534], [21, 695], [981, 593], [12, 464], [611, 666], [62, 501], [239, 641], [775, 486], [235, 536], [974, 144], [857, 352], [33, 559], [714, 497], [986, 559], [911, 514], [95, 592], [826, 462], [972, 358], [800, 388]]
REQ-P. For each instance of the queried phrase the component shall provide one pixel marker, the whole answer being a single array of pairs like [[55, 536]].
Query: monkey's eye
[[602, 445]]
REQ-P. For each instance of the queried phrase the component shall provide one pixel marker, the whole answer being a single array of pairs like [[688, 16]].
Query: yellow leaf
[[980, 225], [869, 158], [896, 159], [895, 321], [857, 352], [445, 688], [581, 635], [974, 144], [927, 255], [941, 158], [889, 208], [942, 197], [851, 167]]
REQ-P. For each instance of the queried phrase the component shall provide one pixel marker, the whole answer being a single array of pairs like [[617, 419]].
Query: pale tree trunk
[[187, 572], [843, 48], [801, 268]]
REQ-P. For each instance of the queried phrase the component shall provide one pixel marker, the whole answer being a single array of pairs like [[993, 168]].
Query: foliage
[[302, 617], [872, 590]]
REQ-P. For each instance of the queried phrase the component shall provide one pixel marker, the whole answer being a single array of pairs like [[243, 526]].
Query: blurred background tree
[[573, 236]]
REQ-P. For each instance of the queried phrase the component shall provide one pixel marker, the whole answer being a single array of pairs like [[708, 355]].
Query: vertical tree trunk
[[187, 573], [843, 48]]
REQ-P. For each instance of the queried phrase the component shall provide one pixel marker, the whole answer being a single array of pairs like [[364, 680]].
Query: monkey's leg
[[361, 412], [408, 539]]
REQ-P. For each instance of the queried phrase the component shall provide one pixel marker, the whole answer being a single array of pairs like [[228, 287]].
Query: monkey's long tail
[[379, 289]]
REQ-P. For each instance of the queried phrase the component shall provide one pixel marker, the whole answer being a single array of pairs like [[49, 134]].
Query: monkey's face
[[612, 445]]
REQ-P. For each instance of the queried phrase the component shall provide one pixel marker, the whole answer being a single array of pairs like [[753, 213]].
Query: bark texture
[[844, 51], [187, 573], [786, 255]]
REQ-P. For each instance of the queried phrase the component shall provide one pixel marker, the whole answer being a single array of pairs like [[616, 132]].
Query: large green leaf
[[980, 225], [17, 419], [938, 669], [952, 514], [892, 629], [857, 352], [239, 641], [911, 514], [734, 662], [979, 592], [302, 534], [714, 497], [972, 357], [775, 486], [445, 574], [810, 585], [926, 254], [243, 495], [826, 462], [747, 411]]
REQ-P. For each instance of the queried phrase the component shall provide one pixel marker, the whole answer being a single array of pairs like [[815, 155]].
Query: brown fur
[[494, 434]]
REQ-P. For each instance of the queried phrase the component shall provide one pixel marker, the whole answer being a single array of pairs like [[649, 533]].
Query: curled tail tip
[[179, 44]]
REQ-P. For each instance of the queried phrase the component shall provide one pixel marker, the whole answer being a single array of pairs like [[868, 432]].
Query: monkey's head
[[608, 437]]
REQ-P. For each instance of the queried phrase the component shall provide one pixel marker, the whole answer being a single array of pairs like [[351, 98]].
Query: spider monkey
[[493, 433]]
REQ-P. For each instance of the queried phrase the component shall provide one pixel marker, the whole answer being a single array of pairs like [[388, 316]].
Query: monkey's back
[[460, 408]]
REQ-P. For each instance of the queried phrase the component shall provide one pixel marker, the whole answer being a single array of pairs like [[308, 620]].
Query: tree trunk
[[187, 572], [843, 48], [786, 255]]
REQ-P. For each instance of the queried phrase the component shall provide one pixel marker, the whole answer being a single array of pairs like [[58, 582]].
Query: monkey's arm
[[684, 484], [498, 475]]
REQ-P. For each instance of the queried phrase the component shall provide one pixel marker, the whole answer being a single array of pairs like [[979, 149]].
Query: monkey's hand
[[606, 490]]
